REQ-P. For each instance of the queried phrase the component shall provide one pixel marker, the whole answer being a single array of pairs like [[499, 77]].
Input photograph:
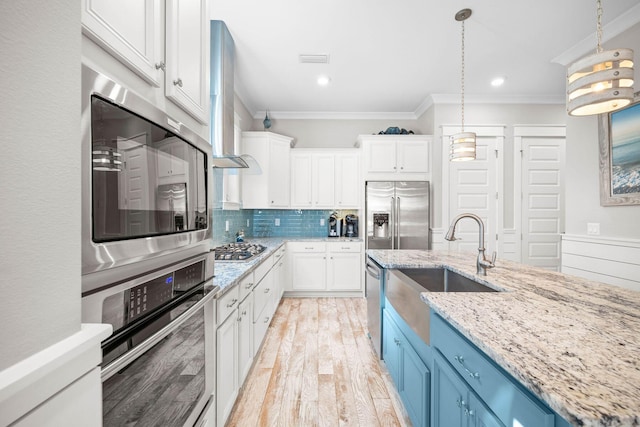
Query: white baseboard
[[609, 260]]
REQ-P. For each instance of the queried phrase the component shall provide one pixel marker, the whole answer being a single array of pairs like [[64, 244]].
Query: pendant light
[[601, 82], [463, 145]]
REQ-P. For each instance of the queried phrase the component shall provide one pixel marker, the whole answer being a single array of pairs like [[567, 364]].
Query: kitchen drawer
[[262, 269], [307, 246], [499, 390], [345, 247], [245, 286], [262, 295], [278, 255], [260, 326], [226, 304]]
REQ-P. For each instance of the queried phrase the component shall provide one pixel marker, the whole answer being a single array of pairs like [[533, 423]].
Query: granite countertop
[[574, 343], [229, 273]]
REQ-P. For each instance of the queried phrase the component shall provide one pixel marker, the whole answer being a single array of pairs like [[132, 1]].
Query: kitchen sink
[[443, 280], [404, 285]]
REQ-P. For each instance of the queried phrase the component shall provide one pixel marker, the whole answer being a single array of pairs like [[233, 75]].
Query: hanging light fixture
[[601, 82], [463, 145]]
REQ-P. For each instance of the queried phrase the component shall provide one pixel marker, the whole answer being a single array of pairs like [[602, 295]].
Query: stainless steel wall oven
[[144, 185], [158, 366]]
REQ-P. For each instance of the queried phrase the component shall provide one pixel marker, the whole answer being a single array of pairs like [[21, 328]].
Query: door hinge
[[496, 153]]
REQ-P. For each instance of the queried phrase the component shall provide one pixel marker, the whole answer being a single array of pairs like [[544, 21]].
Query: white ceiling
[[393, 58]]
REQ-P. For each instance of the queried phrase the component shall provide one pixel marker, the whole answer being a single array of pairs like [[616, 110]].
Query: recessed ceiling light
[[498, 81], [323, 80]]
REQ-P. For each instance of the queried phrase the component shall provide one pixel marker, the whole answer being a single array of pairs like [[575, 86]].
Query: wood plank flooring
[[317, 368]]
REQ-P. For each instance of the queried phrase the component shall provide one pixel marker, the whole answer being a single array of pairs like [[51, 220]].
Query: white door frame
[[491, 131], [520, 131]]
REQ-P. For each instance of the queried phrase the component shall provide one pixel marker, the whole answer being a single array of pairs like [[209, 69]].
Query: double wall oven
[[147, 268]]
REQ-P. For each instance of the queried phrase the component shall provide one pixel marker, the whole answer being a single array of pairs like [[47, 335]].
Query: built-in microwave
[[145, 181]]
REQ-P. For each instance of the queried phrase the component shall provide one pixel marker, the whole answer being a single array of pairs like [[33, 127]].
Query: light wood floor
[[317, 368]]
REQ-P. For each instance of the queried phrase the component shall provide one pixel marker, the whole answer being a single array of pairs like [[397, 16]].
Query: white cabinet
[[281, 277], [226, 354], [324, 179], [129, 30], [137, 35], [187, 56], [172, 163], [347, 185], [318, 267], [344, 265], [396, 154], [245, 338], [271, 188]]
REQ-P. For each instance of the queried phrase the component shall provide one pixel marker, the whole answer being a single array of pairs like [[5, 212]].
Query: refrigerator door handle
[[392, 225], [398, 222]]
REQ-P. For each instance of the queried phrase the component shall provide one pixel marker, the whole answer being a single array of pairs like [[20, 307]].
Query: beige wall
[[40, 176]]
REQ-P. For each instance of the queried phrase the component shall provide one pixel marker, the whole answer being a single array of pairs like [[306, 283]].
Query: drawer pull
[[460, 360], [249, 285], [266, 320], [397, 341], [342, 247], [266, 291], [232, 303], [308, 247], [469, 412], [461, 403]]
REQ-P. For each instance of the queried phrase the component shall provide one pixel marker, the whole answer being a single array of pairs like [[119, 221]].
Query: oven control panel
[[148, 296]]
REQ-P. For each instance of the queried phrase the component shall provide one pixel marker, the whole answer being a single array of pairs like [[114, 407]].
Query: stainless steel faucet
[[482, 263]]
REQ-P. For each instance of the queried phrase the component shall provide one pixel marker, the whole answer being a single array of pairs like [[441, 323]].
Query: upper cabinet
[[396, 156], [324, 179], [270, 188], [187, 53], [139, 36]]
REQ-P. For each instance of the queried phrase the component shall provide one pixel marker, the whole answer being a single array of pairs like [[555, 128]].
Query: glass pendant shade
[[462, 147], [600, 83]]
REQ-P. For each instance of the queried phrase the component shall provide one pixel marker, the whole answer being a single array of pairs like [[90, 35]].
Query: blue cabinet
[[454, 403], [408, 371], [497, 398]]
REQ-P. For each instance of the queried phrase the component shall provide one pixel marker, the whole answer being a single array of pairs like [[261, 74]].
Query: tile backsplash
[[262, 223]]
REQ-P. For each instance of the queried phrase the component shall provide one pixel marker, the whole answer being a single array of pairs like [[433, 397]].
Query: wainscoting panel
[[611, 261]]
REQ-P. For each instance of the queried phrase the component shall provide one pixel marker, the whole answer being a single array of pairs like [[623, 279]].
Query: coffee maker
[[351, 225], [335, 225]]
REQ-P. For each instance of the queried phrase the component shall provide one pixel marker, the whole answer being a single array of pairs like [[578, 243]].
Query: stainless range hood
[[222, 98]]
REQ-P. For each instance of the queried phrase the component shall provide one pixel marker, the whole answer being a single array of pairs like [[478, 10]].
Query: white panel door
[[542, 200], [473, 189]]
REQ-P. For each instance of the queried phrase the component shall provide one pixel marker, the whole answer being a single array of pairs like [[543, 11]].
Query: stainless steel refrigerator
[[397, 214], [397, 217]]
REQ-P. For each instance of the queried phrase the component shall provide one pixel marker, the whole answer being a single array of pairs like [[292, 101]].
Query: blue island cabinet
[[469, 389], [408, 371]]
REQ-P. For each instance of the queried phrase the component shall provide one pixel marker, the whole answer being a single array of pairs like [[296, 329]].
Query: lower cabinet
[[226, 367], [470, 386], [319, 268], [454, 403], [245, 338], [408, 371]]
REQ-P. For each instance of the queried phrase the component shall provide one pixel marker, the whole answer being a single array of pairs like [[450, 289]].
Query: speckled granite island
[[573, 343]]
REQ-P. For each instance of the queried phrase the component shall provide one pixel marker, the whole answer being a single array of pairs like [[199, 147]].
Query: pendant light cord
[[462, 79], [599, 26]]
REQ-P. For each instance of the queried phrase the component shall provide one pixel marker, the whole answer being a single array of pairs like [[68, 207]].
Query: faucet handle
[[493, 258]]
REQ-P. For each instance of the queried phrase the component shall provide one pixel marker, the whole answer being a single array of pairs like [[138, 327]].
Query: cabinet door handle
[[308, 248], [239, 319], [266, 320], [460, 360], [160, 66], [266, 291], [244, 313], [249, 285], [232, 303], [178, 82], [469, 412], [461, 403]]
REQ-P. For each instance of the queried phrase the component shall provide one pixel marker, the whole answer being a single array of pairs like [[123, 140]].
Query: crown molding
[[445, 98], [614, 28], [331, 115]]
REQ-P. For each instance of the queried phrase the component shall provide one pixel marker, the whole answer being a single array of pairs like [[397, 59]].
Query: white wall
[[40, 175], [310, 133], [583, 192]]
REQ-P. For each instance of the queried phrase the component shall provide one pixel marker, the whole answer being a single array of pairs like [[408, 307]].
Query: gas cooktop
[[238, 251]]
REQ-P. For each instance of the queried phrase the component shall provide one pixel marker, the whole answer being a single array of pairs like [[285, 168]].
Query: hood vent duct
[[222, 98]]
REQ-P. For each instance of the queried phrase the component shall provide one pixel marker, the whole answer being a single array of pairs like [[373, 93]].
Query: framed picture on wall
[[619, 134]]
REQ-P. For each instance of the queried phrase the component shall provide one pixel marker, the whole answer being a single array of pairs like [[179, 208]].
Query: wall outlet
[[277, 222], [593, 228], [321, 221]]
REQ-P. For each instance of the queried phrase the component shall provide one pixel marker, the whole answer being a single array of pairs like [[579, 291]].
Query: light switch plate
[[593, 228]]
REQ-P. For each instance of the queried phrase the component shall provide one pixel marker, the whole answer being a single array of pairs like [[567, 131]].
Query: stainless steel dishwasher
[[373, 292]]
